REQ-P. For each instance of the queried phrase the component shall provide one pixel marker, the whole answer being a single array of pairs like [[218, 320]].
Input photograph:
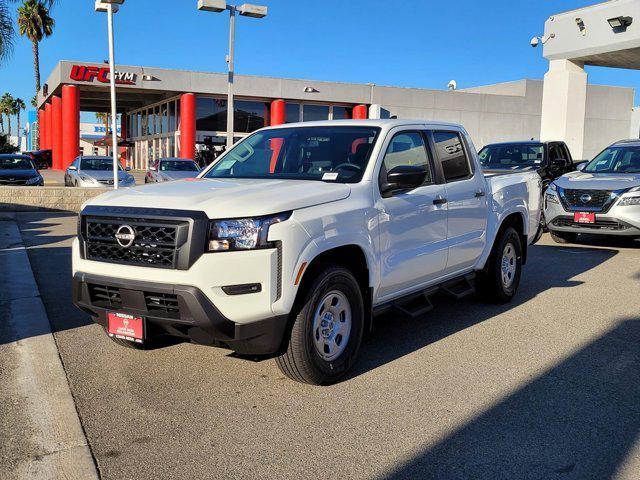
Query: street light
[[246, 10], [110, 7]]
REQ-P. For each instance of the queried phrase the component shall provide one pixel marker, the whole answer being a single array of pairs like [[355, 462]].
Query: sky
[[406, 43]]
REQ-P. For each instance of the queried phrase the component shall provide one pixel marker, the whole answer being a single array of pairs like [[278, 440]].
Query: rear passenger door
[[466, 199]]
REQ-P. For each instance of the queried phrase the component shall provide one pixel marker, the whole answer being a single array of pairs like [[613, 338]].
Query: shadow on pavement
[[578, 420], [547, 267]]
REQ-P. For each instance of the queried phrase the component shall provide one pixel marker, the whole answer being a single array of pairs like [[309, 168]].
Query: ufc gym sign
[[82, 73]]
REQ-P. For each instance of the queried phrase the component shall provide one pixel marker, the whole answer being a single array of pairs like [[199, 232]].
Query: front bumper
[[176, 310], [618, 220]]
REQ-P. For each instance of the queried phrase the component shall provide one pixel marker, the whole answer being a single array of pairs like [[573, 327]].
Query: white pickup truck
[[289, 243]]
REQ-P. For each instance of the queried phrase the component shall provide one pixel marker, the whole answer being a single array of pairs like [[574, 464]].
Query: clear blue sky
[[474, 42]]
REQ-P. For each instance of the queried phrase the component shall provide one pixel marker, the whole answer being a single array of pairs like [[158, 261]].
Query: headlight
[[550, 198], [34, 180], [629, 201], [241, 233]]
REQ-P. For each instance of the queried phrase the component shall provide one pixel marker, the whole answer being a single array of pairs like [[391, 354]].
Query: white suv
[[291, 240]]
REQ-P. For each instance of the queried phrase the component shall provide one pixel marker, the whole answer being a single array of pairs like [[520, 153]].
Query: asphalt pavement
[[545, 387]]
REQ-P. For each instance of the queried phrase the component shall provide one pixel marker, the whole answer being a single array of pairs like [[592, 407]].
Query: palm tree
[[35, 23], [6, 108], [104, 118], [6, 27], [18, 106]]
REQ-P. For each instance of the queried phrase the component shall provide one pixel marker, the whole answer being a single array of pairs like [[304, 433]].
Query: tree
[[18, 106], [104, 118], [35, 23], [6, 27], [5, 146], [6, 108]]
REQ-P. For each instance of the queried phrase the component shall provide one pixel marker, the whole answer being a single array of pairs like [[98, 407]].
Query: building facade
[[174, 113]]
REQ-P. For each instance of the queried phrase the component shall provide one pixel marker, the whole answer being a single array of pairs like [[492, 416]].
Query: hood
[[17, 174], [102, 174], [599, 181], [177, 175], [228, 198]]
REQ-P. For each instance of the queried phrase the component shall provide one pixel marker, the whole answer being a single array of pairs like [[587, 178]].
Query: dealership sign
[[82, 73]]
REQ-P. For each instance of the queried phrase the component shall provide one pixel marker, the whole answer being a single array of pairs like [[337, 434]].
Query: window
[[172, 116], [292, 113], [211, 114], [406, 149], [511, 156], [249, 116], [452, 157], [332, 154], [341, 113], [624, 159], [312, 113]]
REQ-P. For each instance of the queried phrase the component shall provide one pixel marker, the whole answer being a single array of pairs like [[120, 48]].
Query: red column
[[278, 117], [188, 126], [123, 135], [360, 112], [56, 129], [40, 128], [70, 124], [278, 112], [47, 126]]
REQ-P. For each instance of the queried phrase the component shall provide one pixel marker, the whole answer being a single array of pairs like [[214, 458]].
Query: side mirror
[[558, 163], [581, 166], [72, 167], [403, 177]]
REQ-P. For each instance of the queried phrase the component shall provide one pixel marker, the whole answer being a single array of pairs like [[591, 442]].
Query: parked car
[[550, 159], [95, 171], [290, 242], [42, 159], [167, 169], [602, 197], [18, 170]]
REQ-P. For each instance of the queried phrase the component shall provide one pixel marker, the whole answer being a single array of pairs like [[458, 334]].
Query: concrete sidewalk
[[41, 435]]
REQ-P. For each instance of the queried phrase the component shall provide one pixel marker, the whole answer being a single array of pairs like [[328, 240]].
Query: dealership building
[[173, 112]]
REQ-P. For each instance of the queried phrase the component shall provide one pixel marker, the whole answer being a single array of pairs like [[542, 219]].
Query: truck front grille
[[153, 244], [590, 200], [105, 296], [599, 225], [163, 303]]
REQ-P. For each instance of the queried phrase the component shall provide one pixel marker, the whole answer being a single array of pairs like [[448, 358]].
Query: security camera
[[452, 85], [535, 41]]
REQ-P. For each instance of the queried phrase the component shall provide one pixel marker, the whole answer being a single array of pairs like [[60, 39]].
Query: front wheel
[[501, 276], [564, 237], [327, 329]]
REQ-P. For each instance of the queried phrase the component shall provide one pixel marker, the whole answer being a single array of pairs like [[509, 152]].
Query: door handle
[[439, 201], [480, 193]]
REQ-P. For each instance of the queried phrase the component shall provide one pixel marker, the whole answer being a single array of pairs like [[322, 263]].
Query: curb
[[60, 448]]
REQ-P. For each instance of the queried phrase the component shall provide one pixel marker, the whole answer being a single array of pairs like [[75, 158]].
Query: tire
[[563, 237], [303, 361], [492, 284]]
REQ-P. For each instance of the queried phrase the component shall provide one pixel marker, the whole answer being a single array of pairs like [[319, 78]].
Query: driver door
[[412, 224]]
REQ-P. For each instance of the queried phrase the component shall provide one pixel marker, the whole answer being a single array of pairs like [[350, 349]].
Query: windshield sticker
[[330, 176]]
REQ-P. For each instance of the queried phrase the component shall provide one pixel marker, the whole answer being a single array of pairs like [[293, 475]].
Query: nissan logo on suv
[[125, 235], [586, 198]]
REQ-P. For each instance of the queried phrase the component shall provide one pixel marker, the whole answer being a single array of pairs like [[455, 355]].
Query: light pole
[[246, 10], [111, 7]]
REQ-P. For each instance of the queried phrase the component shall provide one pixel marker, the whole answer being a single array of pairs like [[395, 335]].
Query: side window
[[406, 149], [451, 155]]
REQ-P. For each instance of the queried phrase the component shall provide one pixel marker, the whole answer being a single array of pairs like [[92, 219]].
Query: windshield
[[16, 163], [178, 166], [329, 153], [615, 160], [97, 163], [511, 157]]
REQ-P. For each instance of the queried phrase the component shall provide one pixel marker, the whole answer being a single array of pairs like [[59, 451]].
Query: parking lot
[[545, 387]]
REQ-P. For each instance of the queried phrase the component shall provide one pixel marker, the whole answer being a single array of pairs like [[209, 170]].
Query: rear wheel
[[564, 237], [500, 278], [327, 329]]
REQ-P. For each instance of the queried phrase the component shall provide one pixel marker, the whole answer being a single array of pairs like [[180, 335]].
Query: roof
[[522, 142], [629, 142], [371, 122]]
